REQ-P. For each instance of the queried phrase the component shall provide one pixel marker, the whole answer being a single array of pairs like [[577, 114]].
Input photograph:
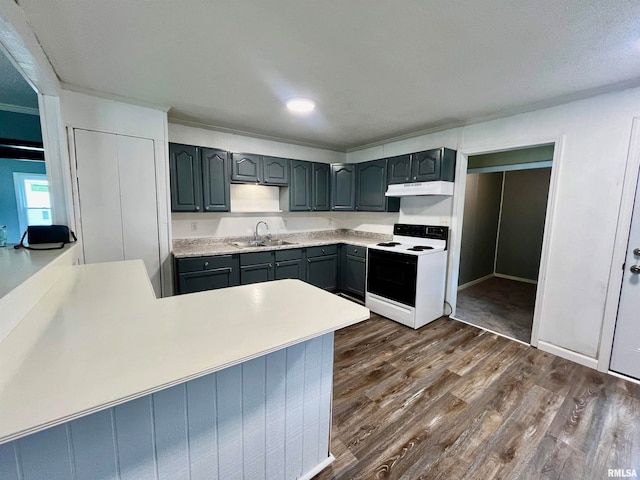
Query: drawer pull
[[206, 264]]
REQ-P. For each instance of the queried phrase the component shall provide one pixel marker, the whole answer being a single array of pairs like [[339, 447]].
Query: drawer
[[323, 250], [288, 254], [256, 258], [356, 251], [198, 264]]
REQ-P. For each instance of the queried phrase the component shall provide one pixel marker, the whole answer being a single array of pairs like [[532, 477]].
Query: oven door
[[392, 276]]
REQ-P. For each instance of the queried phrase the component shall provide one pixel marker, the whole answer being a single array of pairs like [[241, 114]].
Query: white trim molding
[[475, 282], [5, 107], [568, 354], [516, 279]]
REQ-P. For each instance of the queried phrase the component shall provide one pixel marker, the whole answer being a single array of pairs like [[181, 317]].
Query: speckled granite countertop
[[197, 247]]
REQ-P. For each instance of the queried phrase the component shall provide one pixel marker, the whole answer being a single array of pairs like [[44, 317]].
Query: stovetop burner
[[420, 248], [388, 244]]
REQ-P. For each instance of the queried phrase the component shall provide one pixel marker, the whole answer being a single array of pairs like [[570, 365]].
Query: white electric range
[[406, 276]]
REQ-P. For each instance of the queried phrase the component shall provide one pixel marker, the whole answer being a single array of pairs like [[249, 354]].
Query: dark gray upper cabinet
[[185, 177], [250, 168], [198, 179], [399, 169], [343, 187], [300, 186], [309, 186], [321, 187], [215, 187], [246, 167], [276, 171], [371, 185], [430, 165]]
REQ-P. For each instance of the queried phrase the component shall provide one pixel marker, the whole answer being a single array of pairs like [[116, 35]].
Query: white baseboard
[[568, 354], [318, 468], [476, 281], [517, 279], [624, 377]]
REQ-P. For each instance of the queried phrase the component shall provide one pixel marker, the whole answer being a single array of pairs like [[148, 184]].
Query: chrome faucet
[[267, 235]]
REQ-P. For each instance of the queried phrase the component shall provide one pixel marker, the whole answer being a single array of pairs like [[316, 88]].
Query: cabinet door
[[300, 186], [323, 272], [399, 169], [353, 275], [425, 166], [371, 186], [262, 272], [185, 176], [246, 167], [343, 187], [276, 171], [206, 280], [215, 186], [321, 189], [289, 269]]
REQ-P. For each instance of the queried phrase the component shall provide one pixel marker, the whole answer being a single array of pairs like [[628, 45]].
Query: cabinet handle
[[277, 264], [355, 251], [323, 250], [206, 264], [197, 208], [309, 208], [270, 265], [206, 208], [415, 178]]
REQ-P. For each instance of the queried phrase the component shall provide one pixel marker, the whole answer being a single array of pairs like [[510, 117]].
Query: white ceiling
[[377, 69], [14, 90]]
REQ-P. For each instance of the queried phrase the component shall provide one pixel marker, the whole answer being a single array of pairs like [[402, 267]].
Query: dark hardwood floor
[[451, 401], [500, 305]]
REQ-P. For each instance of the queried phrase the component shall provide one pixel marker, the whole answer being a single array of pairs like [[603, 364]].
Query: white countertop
[[183, 248], [99, 337], [16, 266]]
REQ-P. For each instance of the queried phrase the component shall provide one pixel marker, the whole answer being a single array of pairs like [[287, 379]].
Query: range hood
[[420, 188]]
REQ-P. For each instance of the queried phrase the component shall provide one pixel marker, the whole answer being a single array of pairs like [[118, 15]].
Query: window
[[32, 199]]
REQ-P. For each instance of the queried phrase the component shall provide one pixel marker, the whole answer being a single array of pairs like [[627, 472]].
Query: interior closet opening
[[505, 210]]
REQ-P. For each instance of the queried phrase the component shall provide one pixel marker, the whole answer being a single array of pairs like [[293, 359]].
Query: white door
[[118, 201], [99, 195], [625, 357]]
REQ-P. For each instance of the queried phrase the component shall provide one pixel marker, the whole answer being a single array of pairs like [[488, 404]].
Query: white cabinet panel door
[[139, 204], [118, 201], [625, 357], [98, 180]]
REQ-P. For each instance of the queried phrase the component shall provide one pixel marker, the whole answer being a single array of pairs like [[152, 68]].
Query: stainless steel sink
[[261, 243]]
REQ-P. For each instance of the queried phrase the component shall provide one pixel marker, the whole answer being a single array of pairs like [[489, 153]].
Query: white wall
[[588, 170], [110, 116]]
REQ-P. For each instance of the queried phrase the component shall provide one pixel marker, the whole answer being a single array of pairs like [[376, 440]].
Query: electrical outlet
[[194, 226], [445, 221]]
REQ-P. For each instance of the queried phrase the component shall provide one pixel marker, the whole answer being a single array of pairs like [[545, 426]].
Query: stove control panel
[[421, 231]]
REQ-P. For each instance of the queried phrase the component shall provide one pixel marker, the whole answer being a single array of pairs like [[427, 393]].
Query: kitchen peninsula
[[102, 379]]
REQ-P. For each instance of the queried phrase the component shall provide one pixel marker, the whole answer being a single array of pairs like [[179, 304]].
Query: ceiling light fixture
[[301, 105]]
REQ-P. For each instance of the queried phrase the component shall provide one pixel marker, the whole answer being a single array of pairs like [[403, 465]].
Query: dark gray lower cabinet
[[322, 267], [256, 267], [289, 264], [353, 270], [206, 273]]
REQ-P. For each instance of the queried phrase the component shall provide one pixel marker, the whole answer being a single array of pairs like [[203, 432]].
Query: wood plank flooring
[[451, 401], [500, 305]]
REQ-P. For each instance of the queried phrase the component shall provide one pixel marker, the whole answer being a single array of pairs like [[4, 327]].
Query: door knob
[[636, 252], [635, 269]]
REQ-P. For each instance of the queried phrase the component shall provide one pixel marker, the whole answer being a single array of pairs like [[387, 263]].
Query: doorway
[[24, 188], [505, 207]]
